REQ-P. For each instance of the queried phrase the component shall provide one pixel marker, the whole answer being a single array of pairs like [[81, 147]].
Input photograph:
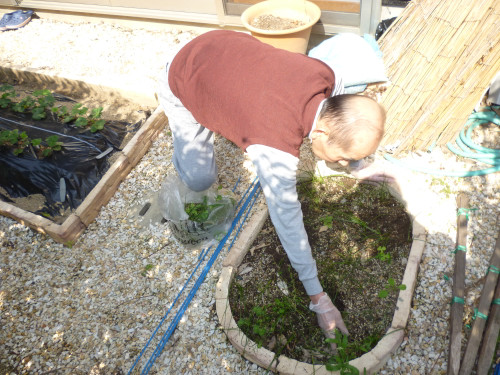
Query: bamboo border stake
[[458, 290], [485, 300], [490, 336]]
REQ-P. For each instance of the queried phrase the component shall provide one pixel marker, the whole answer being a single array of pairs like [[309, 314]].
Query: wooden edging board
[[371, 361], [87, 211]]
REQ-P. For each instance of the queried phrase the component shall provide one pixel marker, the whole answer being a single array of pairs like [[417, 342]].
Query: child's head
[[349, 127]]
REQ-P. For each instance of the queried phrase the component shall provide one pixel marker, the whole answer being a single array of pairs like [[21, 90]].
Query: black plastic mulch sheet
[[65, 177]]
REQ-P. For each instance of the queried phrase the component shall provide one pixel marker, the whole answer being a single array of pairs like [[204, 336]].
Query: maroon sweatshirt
[[248, 91]]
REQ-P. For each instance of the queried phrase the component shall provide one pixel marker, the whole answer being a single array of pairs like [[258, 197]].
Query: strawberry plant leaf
[[96, 112], [36, 141], [81, 122]]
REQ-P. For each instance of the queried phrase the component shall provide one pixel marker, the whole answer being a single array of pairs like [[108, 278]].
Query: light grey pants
[[193, 157]]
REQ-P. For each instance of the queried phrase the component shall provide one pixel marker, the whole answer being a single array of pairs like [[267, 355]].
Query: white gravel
[[90, 310]]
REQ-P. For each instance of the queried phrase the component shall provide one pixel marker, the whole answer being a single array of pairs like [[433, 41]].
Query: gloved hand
[[375, 172], [329, 317]]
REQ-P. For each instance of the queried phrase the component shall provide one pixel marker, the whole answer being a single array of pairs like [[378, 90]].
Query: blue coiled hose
[[467, 148]]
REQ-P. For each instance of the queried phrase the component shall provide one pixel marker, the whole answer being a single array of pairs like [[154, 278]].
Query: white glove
[[329, 317], [375, 172]]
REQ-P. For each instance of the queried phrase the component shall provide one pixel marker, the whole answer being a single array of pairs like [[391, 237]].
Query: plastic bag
[[195, 218]]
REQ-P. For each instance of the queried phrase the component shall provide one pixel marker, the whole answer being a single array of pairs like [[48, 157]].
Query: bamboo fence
[[441, 56]]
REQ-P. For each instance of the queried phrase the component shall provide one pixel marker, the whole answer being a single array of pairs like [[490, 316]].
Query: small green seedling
[[95, 122], [382, 255], [78, 116], [265, 320], [391, 287], [327, 221], [19, 141], [259, 325], [340, 361], [74, 114], [53, 144], [15, 140], [45, 100], [147, 268], [7, 93], [24, 105]]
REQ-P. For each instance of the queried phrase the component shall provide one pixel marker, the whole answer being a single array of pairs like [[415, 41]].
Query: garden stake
[[457, 302], [482, 311], [490, 335]]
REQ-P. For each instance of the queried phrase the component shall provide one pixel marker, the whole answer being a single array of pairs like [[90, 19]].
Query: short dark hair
[[345, 123]]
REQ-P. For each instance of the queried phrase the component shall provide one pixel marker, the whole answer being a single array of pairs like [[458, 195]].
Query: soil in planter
[[33, 183], [360, 237], [270, 22]]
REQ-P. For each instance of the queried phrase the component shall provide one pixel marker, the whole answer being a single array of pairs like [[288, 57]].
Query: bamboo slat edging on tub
[[371, 361], [87, 211]]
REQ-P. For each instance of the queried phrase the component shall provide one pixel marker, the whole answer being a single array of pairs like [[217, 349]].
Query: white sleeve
[[277, 171], [338, 88]]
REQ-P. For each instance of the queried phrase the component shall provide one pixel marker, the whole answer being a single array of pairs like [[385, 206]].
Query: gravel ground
[[90, 309]]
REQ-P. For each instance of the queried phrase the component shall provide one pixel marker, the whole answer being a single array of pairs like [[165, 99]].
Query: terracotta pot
[[293, 40]]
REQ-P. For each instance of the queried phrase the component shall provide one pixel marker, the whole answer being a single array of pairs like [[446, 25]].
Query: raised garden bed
[[132, 144], [278, 358]]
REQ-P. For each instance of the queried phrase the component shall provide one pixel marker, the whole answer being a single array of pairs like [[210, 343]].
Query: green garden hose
[[467, 149]]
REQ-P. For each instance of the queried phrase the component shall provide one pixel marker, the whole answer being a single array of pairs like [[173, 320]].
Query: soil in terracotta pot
[[270, 22], [360, 237]]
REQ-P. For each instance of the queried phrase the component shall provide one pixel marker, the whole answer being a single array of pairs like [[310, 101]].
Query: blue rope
[[246, 193], [200, 261], [244, 219], [250, 201], [193, 291]]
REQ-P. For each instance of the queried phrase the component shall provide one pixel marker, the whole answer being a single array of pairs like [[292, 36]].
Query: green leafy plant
[[340, 361], [391, 287], [24, 105], [200, 212], [53, 144], [327, 221], [37, 104], [15, 140], [73, 114], [19, 141], [43, 101], [7, 93], [265, 319], [382, 255], [78, 116]]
